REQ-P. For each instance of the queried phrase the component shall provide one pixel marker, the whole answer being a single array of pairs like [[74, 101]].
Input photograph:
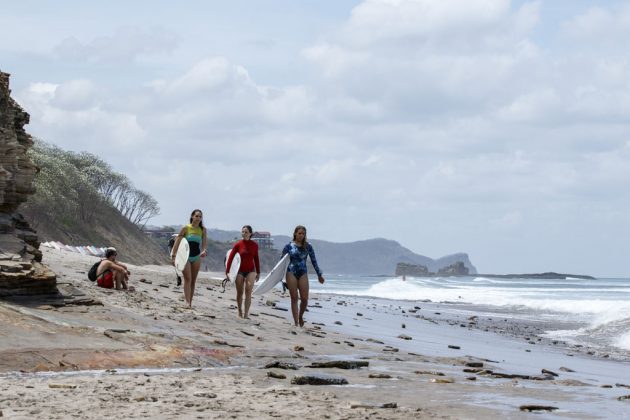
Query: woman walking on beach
[[195, 234], [248, 272], [297, 277]]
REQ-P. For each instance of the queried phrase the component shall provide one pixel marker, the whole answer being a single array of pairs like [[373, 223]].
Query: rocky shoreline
[[101, 353]]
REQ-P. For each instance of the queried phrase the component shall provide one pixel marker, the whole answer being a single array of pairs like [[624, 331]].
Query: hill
[[68, 207], [370, 257]]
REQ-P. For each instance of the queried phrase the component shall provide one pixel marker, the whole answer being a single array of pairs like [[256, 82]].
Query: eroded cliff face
[[21, 271]]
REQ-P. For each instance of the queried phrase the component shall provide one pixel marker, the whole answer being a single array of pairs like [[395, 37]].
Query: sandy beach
[[101, 353]]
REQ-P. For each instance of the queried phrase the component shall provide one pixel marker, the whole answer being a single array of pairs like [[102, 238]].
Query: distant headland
[[459, 269]]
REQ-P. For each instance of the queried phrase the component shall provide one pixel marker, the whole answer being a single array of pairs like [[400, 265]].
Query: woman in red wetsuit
[[249, 271]]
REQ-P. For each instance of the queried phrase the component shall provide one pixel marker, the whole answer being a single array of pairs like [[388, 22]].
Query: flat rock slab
[[341, 364], [319, 380]]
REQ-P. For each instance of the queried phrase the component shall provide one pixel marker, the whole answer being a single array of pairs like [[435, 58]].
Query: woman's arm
[[311, 253], [204, 242], [256, 261]]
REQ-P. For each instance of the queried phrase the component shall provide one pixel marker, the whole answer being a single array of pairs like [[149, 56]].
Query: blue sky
[[493, 127]]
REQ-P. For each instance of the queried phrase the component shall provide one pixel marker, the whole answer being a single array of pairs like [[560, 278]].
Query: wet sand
[[143, 354]]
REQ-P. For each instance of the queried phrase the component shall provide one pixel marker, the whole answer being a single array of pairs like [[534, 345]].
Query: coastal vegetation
[[79, 199]]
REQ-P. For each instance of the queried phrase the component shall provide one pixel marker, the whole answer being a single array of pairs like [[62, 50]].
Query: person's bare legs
[[249, 287], [194, 270], [292, 285], [187, 282], [303, 289], [240, 283]]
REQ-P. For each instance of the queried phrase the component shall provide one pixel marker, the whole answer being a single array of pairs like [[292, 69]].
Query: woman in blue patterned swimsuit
[[297, 277]]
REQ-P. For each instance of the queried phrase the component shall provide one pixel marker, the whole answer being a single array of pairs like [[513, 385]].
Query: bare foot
[[301, 322], [240, 314]]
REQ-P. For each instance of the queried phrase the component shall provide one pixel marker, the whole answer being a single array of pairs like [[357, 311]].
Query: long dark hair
[[193, 213], [249, 228], [295, 231]]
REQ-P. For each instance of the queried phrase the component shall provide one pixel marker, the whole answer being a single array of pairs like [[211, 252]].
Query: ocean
[[593, 313]]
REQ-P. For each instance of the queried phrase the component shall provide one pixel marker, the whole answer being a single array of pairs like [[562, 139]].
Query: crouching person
[[112, 273]]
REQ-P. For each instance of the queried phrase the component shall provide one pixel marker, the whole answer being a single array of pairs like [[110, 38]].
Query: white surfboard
[[236, 264], [181, 258], [274, 277]]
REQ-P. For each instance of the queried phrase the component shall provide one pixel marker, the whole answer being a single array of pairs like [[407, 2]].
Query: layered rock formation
[[458, 268], [21, 271]]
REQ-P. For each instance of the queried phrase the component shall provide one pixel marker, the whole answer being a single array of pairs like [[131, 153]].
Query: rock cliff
[[21, 271]]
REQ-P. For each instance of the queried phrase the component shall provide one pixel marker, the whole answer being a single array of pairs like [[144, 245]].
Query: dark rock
[[319, 380], [456, 269], [622, 386], [537, 408], [548, 372], [624, 398], [276, 375], [474, 364], [453, 347], [404, 337], [566, 369], [428, 372], [281, 365], [338, 323], [341, 364], [379, 376], [370, 406], [204, 395]]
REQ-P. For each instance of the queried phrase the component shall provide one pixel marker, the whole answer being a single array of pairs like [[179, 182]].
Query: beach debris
[[428, 372], [379, 376], [372, 406], [359, 314], [390, 348], [319, 380], [62, 386], [247, 333], [624, 398], [281, 365], [606, 386], [404, 326], [473, 370], [350, 343], [270, 303], [278, 308], [404, 336], [298, 348], [548, 372], [450, 346], [471, 378], [622, 386], [537, 408], [340, 364], [442, 380], [373, 340], [276, 375], [338, 323]]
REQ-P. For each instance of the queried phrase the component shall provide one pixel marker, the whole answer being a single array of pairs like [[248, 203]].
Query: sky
[[493, 127]]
